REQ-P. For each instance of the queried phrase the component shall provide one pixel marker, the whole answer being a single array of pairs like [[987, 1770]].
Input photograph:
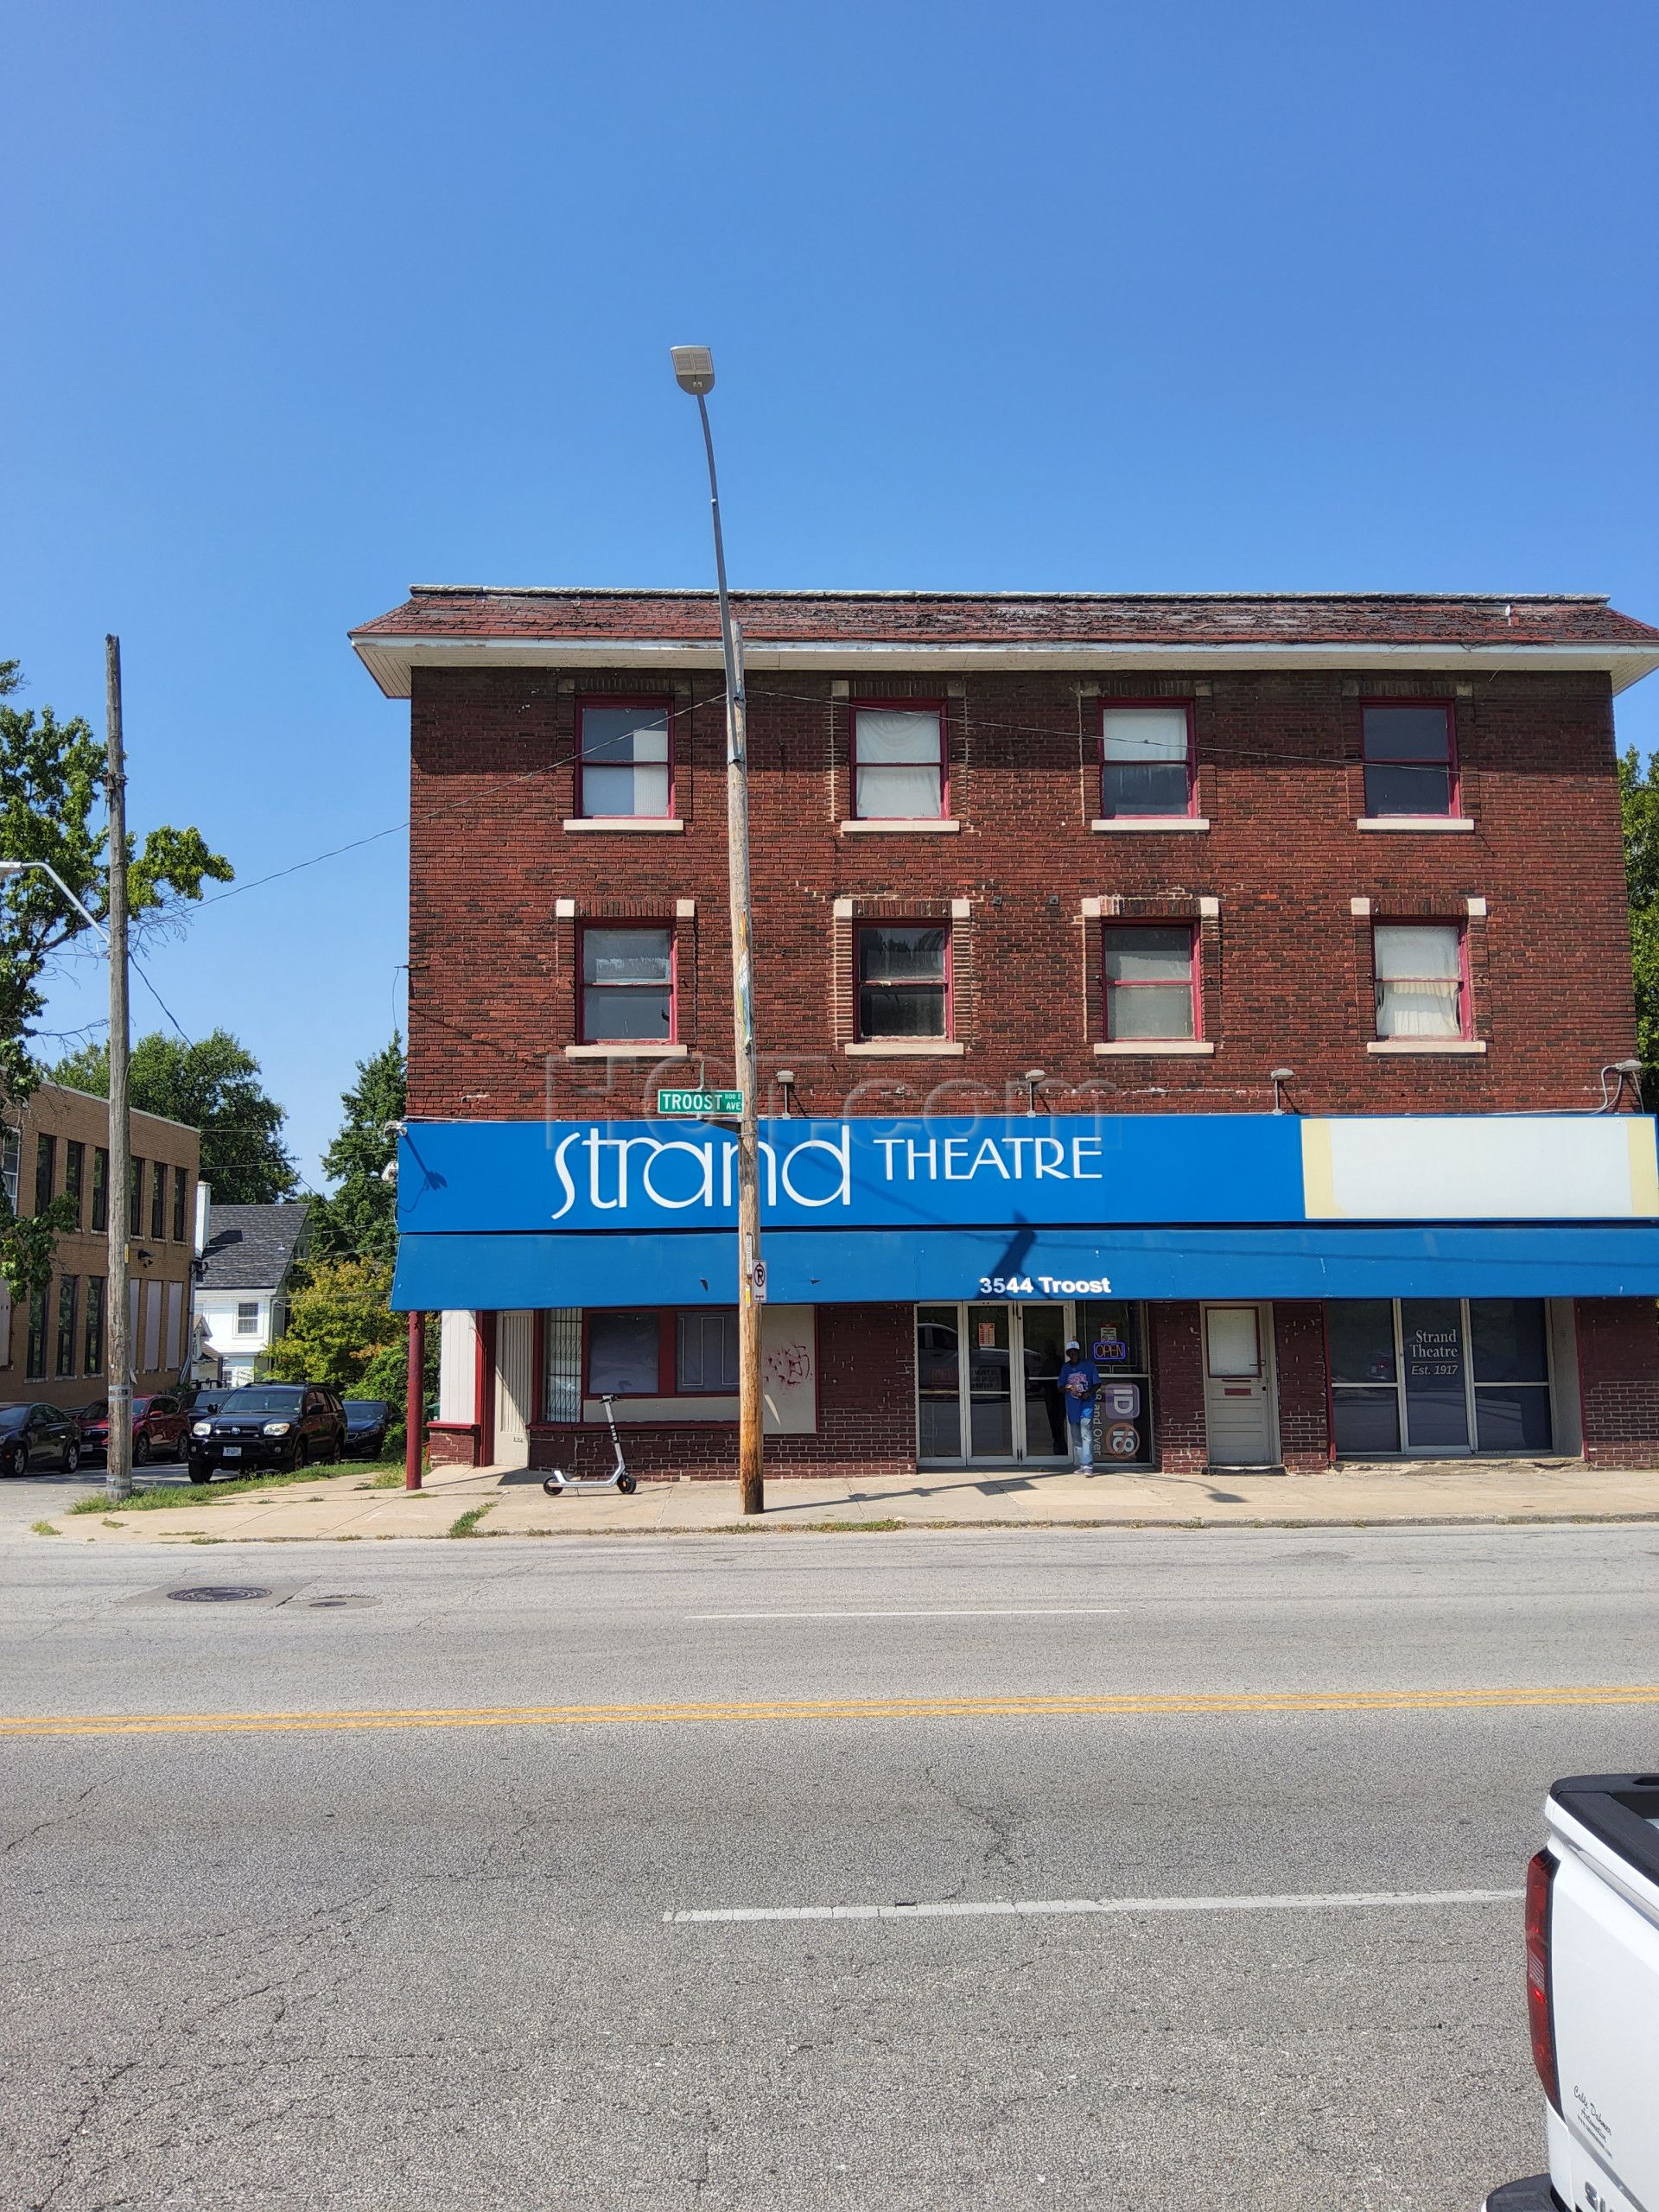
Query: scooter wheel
[[553, 1489], [625, 1483]]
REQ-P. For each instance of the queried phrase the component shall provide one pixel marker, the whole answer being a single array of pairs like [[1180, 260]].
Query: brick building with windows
[[52, 1350], [1238, 984]]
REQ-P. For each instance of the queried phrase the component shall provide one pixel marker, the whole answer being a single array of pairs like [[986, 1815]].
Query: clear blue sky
[[305, 303]]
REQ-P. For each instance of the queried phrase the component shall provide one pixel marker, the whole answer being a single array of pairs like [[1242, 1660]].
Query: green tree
[[361, 1216], [339, 1319], [52, 782], [1638, 791], [214, 1086]]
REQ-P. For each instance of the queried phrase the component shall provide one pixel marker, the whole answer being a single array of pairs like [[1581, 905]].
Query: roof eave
[[392, 659]]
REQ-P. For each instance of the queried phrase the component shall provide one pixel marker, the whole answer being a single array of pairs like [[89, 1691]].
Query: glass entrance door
[[988, 1383]]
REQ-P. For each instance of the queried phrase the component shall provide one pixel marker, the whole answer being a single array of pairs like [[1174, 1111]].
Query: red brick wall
[[1619, 1380], [1286, 971], [1179, 1433], [1304, 1400], [867, 1416]]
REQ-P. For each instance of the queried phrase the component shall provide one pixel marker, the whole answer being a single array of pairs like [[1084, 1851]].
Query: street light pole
[[694, 370], [119, 1458]]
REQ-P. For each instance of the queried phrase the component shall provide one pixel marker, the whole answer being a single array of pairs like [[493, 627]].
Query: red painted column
[[415, 1411]]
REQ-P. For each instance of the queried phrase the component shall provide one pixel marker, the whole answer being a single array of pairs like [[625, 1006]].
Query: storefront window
[[705, 1352], [622, 1354], [1439, 1375], [1113, 1334]]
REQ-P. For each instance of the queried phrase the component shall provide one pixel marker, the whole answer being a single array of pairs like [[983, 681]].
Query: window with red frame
[[1423, 989], [1150, 971], [625, 758], [903, 980], [898, 764], [659, 1352], [1410, 760], [627, 984], [1146, 761]]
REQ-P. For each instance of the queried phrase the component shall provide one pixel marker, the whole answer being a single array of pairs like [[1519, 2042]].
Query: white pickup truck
[[1593, 1998]]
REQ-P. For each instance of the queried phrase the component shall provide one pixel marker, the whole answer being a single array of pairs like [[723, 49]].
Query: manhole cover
[[349, 1598], [220, 1594]]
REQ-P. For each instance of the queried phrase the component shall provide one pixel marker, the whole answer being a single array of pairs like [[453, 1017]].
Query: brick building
[[54, 1349], [1047, 890]]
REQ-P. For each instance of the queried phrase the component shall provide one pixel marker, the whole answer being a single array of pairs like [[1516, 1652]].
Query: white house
[[246, 1265]]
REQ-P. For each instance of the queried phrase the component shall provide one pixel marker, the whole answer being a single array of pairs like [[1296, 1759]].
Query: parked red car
[[158, 1428]]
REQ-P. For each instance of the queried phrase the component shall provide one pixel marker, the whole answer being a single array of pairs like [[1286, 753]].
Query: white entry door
[[515, 1351], [1238, 1386]]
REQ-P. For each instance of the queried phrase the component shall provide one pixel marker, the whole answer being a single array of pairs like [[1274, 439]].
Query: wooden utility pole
[[118, 1331]]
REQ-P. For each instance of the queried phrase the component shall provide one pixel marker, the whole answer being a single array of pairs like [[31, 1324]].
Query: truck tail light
[[1541, 2012]]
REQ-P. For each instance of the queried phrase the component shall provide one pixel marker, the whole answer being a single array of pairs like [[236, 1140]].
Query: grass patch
[[762, 1528], [45, 1529], [465, 1524], [164, 1497], [388, 1479]]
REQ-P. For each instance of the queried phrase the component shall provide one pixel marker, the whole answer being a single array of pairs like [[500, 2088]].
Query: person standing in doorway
[[1079, 1388]]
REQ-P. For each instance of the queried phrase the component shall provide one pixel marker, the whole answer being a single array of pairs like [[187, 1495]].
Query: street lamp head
[[12, 867], [694, 369], [1627, 1067]]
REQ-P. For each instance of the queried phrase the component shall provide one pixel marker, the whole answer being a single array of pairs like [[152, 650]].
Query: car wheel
[[203, 1473], [141, 1448], [71, 1458], [17, 1459], [301, 1455]]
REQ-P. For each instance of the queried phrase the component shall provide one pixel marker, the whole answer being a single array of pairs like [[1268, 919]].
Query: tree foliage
[[360, 1217], [214, 1086], [1639, 797], [339, 1321], [52, 785]]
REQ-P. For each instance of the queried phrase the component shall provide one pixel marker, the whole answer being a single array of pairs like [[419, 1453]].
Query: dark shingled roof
[[463, 611], [251, 1247]]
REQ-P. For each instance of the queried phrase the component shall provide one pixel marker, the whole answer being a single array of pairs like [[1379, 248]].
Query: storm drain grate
[[344, 1598], [220, 1594]]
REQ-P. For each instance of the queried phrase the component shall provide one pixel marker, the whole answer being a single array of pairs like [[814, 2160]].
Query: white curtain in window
[[1419, 979], [899, 773], [1140, 734]]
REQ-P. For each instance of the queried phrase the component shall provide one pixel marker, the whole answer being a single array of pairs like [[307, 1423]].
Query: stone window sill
[[1122, 824], [924, 826], [626, 1052], [1468, 1045], [1430, 825], [907, 1048], [1158, 1048], [666, 825]]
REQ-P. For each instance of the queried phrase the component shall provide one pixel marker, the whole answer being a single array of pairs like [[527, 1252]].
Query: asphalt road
[[434, 1962]]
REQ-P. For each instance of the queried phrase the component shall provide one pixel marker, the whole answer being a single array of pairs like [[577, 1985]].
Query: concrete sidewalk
[[1405, 1492]]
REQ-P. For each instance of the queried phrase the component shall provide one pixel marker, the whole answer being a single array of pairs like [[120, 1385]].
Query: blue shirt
[[1079, 1404]]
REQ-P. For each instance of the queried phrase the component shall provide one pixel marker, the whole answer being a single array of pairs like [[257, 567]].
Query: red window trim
[[1195, 969], [631, 922], [668, 1318], [901, 707], [656, 699], [906, 921], [1109, 706], [1465, 992], [1455, 773]]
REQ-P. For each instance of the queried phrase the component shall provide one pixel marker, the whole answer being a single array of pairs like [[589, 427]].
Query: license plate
[[230, 1451]]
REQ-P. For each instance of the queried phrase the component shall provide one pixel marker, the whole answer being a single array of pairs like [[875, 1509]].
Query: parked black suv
[[268, 1425]]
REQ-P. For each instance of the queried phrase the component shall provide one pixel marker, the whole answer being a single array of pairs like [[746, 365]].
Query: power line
[[334, 852]]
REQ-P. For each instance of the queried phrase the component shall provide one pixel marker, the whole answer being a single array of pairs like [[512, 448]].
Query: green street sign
[[699, 1102]]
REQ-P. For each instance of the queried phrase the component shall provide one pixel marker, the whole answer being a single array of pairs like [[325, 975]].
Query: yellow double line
[[807, 1709]]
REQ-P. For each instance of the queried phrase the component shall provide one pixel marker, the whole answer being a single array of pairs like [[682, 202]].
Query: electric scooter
[[619, 1478]]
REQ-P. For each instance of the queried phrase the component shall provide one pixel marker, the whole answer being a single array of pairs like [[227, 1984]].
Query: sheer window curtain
[[1419, 980], [899, 769]]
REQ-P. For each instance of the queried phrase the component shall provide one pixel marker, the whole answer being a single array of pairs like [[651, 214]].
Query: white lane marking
[[929, 1613], [1009, 1908]]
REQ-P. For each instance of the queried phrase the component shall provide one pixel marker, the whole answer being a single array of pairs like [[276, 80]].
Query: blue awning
[[873, 1266]]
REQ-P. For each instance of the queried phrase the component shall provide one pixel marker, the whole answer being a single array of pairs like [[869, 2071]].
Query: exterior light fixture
[[1279, 1078], [786, 1079], [1033, 1079], [694, 369]]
